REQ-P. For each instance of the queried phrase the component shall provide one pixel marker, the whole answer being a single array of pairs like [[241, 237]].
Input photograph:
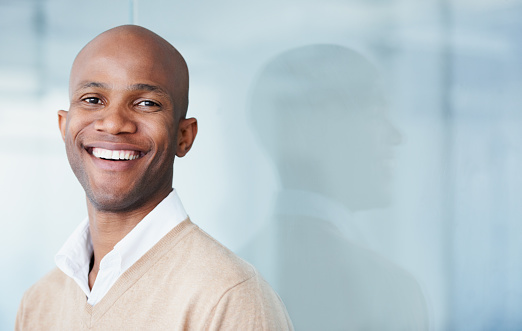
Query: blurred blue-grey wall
[[396, 178]]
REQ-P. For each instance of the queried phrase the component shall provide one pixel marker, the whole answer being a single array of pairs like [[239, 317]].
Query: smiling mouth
[[114, 155]]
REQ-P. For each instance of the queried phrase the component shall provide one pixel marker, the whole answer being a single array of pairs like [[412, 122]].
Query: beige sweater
[[187, 281]]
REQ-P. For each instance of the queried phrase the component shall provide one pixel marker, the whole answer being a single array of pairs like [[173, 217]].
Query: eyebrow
[[86, 85], [134, 87]]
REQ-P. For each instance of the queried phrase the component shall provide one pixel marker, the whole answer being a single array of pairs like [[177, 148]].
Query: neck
[[109, 228]]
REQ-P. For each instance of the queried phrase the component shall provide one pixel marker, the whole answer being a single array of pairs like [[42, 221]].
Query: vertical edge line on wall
[[133, 11], [39, 26], [448, 184]]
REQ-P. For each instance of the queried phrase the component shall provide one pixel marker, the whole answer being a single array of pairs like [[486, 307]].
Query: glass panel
[[363, 155]]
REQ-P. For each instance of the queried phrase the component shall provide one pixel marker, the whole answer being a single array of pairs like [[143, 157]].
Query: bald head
[[151, 58]]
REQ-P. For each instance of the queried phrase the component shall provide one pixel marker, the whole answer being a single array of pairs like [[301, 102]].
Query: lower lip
[[109, 165]]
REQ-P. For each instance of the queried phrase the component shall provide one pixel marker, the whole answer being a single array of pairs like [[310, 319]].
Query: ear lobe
[[62, 121], [187, 130]]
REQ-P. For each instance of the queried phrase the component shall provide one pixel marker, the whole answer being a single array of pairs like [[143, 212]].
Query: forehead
[[121, 61]]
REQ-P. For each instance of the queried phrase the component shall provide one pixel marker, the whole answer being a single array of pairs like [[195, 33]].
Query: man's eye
[[92, 100], [148, 103]]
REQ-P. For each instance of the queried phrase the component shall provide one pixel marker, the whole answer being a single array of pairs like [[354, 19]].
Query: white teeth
[[108, 154]]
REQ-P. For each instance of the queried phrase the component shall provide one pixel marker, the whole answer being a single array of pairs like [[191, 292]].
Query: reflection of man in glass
[[320, 113]]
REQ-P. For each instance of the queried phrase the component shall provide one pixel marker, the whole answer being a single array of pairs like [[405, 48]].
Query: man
[[137, 261]]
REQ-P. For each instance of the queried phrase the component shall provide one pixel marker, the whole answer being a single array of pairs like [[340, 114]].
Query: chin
[[113, 203]]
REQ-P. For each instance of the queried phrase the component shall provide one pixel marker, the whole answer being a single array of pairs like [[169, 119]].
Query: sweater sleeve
[[250, 305]]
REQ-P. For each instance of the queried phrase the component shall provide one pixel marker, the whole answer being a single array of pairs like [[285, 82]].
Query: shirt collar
[[150, 230], [75, 255]]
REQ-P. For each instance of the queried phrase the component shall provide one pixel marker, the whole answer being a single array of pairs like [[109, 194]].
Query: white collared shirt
[[75, 256]]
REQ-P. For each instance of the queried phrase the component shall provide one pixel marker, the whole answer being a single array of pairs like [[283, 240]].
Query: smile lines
[[108, 154]]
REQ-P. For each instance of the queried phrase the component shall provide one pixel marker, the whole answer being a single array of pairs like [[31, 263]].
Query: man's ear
[[187, 130], [62, 120]]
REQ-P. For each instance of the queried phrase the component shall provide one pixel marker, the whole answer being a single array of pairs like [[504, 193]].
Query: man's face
[[122, 128]]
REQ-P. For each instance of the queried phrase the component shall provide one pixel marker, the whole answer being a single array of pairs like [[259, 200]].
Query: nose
[[116, 119]]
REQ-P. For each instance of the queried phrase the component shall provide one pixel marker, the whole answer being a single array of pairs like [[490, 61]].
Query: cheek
[[71, 146], [163, 133], [163, 161], [75, 125], [70, 134]]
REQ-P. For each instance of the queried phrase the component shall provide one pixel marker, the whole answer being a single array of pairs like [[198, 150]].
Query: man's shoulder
[[198, 270], [231, 289], [209, 260], [54, 278], [43, 295], [52, 282]]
